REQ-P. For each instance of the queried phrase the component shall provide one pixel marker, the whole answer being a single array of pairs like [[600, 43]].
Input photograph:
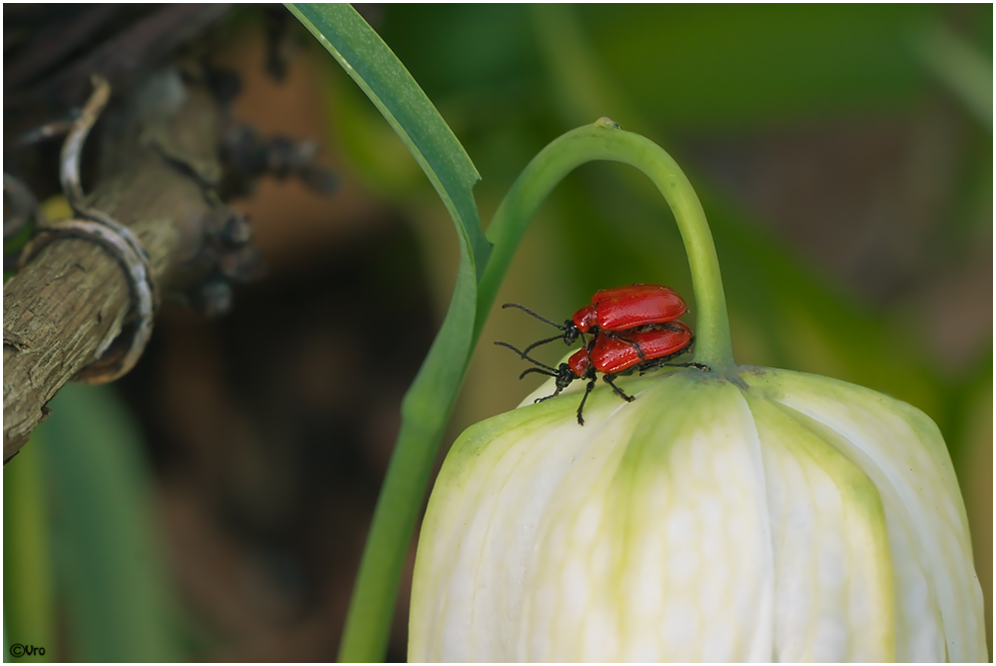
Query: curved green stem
[[603, 140], [430, 400], [425, 411]]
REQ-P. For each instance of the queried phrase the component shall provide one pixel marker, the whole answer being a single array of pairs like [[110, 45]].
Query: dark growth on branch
[[161, 159]]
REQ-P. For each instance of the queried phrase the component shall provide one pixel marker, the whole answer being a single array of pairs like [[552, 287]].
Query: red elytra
[[615, 310], [616, 354], [624, 308]]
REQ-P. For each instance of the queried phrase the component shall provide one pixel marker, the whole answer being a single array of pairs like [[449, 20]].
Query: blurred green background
[[213, 504]]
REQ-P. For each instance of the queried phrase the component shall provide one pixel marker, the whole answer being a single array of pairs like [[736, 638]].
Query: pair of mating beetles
[[630, 328]]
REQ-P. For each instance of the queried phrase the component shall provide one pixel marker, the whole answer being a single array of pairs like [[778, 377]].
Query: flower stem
[[603, 140], [366, 632]]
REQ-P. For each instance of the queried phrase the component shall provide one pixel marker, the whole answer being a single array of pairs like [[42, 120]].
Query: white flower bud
[[769, 516]]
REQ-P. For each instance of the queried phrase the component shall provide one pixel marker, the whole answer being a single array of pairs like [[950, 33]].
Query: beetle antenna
[[530, 312], [539, 370], [529, 358], [541, 342]]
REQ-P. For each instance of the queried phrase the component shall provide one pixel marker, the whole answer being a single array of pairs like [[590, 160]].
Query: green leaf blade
[[389, 85], [429, 402]]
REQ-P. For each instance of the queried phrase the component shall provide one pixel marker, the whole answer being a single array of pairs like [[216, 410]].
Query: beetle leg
[[631, 343], [690, 364], [619, 391], [587, 390], [552, 395]]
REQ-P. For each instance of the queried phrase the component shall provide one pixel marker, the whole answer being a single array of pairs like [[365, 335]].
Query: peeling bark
[[73, 295]]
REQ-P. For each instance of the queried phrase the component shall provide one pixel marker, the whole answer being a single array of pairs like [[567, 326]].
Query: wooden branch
[[73, 295]]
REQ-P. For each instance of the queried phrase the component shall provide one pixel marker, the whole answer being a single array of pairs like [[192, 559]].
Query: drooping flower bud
[[756, 514]]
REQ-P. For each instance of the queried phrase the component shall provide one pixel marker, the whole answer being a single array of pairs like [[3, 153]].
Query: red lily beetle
[[656, 343], [615, 310], [628, 307], [642, 348]]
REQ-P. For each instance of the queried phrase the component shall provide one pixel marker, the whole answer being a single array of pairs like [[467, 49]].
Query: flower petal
[[901, 450], [833, 573], [636, 538]]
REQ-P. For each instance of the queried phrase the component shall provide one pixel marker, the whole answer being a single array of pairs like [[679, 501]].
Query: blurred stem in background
[[106, 540], [960, 67], [97, 530], [28, 591]]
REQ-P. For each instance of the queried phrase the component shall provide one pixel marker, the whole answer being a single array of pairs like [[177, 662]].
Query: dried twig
[[73, 295]]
